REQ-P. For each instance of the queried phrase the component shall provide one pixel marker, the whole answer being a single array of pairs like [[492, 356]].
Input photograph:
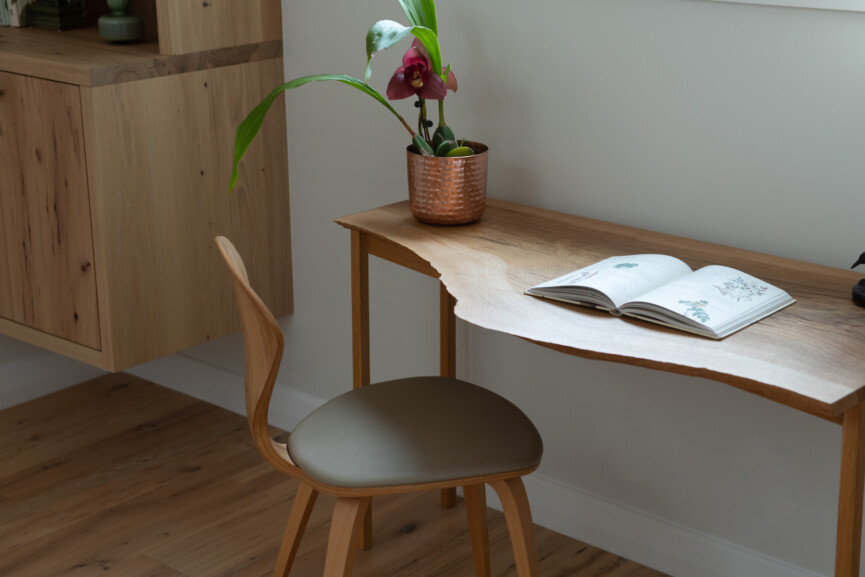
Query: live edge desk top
[[810, 356]]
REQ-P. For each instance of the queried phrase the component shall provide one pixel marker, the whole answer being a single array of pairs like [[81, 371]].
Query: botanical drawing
[[697, 309], [739, 289]]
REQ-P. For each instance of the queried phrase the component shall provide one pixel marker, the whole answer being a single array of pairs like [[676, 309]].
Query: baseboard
[[651, 541], [39, 374], [224, 388], [646, 539]]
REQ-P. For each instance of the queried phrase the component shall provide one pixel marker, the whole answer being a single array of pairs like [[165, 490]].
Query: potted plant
[[446, 175]]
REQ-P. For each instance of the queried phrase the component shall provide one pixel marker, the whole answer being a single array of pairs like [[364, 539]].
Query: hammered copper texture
[[448, 190]]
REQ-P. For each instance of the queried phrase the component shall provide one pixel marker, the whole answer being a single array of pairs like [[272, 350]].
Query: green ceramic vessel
[[120, 26]]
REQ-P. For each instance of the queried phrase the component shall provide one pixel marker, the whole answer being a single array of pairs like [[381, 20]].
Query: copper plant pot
[[448, 190]]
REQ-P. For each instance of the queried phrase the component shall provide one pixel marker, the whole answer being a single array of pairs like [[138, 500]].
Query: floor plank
[[123, 477]]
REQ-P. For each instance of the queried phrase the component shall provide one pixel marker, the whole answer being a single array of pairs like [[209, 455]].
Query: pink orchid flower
[[415, 77]]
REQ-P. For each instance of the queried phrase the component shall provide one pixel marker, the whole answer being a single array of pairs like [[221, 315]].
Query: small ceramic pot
[[446, 190], [120, 26]]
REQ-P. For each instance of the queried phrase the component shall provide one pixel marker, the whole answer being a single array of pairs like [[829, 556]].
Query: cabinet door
[[187, 26], [160, 161], [47, 280]]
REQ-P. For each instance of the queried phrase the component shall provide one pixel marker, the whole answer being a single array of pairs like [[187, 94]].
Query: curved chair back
[[402, 444], [263, 343]]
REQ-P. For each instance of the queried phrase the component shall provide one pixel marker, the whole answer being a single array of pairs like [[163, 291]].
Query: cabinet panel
[[160, 161], [192, 25], [114, 167], [48, 281]]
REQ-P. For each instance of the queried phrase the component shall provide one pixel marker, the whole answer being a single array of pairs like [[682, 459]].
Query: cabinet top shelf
[[81, 57]]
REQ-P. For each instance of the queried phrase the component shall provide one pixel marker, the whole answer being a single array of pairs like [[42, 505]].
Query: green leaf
[[423, 146], [249, 128], [461, 151], [385, 33], [421, 13], [431, 43], [445, 147], [437, 140], [382, 35], [443, 133]]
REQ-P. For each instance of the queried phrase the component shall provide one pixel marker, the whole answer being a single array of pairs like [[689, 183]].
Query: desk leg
[[448, 339], [849, 538], [360, 340], [360, 308]]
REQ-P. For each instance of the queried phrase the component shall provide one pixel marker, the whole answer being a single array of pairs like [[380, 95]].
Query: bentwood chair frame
[[264, 344]]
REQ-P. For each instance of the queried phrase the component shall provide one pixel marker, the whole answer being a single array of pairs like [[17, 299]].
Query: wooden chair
[[413, 434]]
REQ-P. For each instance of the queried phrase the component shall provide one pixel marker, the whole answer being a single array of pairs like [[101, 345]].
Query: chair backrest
[[263, 342]]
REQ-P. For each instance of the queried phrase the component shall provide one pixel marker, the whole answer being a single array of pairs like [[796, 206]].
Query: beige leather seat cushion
[[416, 430]]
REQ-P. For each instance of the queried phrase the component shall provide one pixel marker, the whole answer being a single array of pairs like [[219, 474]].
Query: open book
[[714, 301]]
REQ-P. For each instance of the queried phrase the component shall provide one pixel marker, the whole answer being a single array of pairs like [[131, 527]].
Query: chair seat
[[413, 431]]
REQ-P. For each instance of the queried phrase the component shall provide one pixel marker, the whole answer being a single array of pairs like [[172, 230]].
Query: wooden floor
[[120, 477]]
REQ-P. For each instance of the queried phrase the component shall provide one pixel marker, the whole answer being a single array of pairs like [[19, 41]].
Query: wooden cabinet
[[46, 247], [114, 166], [194, 25]]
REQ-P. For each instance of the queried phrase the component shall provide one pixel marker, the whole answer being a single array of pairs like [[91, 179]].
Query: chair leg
[[304, 499], [515, 504], [365, 540], [476, 509], [345, 531]]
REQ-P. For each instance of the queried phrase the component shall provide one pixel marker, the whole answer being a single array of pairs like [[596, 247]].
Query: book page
[[622, 278], [716, 297]]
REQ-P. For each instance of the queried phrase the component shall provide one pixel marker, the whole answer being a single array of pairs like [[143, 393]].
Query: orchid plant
[[421, 75]]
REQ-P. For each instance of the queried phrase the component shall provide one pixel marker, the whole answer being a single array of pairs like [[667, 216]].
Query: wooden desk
[[808, 356]]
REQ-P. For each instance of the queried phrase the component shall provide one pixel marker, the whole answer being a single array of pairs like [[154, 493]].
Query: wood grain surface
[[113, 159], [81, 57], [193, 26], [159, 190], [118, 476], [808, 356], [47, 275]]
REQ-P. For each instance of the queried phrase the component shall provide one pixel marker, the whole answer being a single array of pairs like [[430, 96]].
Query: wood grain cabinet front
[[114, 170], [47, 274]]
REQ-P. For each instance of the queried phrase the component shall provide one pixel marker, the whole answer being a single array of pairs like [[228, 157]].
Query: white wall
[[738, 124], [731, 123]]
